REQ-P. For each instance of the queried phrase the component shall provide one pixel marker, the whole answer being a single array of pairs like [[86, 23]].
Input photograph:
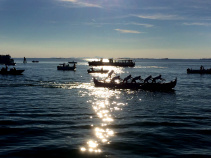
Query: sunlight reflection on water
[[103, 108]]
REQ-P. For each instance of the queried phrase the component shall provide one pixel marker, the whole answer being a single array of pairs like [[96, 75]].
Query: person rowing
[[136, 78], [147, 79], [110, 73], [115, 78], [127, 78], [157, 78]]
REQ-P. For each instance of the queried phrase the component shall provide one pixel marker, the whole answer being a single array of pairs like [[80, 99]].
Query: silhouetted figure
[[147, 79], [136, 78], [201, 67], [127, 78], [24, 60], [110, 73], [157, 78], [115, 78]]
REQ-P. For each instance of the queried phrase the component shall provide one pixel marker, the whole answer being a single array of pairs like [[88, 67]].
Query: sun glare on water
[[103, 108]]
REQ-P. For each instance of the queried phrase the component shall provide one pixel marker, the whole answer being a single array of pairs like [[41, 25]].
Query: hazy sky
[[106, 28]]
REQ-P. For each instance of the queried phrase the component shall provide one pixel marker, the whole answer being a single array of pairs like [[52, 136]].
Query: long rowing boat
[[168, 86]]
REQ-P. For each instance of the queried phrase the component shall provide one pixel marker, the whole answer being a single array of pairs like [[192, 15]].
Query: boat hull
[[12, 72], [208, 71]]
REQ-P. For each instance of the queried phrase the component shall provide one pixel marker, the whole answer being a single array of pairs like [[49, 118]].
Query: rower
[[157, 78], [147, 79], [136, 78], [115, 78], [201, 67], [127, 78], [110, 73]]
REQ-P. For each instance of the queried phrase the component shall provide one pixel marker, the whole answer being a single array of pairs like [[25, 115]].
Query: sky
[[106, 28]]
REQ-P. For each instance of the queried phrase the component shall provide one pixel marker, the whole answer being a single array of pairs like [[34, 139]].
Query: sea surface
[[51, 113]]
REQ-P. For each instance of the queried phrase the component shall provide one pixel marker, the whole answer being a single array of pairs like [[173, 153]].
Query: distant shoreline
[[113, 58]]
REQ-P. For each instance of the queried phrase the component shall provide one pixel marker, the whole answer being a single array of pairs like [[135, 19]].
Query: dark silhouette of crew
[[127, 78], [201, 67], [136, 78], [110, 73], [157, 78], [147, 79], [115, 78]]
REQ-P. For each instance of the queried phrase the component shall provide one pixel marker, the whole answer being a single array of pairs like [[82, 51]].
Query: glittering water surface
[[46, 112]]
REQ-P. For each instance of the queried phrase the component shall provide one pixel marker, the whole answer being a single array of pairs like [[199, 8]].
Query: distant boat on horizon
[[35, 61]]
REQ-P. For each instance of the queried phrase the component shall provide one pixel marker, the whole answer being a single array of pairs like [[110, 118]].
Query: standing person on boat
[[147, 79], [157, 78], [136, 78], [127, 78]]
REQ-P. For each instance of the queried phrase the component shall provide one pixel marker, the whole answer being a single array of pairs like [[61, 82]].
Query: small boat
[[143, 86], [67, 66], [12, 71], [200, 71], [91, 70], [35, 61], [207, 71], [111, 62]]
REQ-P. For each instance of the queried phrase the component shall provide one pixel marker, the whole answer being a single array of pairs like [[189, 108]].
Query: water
[[51, 113]]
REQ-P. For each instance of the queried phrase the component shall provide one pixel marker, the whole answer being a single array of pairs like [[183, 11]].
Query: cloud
[[159, 17], [127, 31], [139, 24], [197, 24], [78, 3], [129, 23]]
